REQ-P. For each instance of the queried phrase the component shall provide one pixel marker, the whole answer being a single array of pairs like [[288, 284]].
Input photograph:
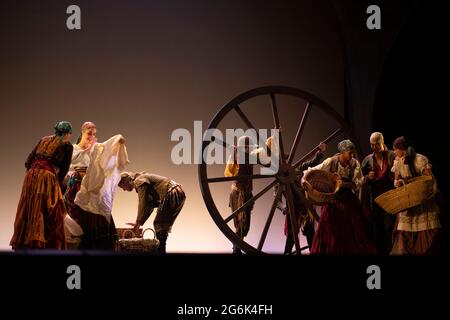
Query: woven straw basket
[[412, 194], [138, 244], [320, 186], [124, 233], [73, 243]]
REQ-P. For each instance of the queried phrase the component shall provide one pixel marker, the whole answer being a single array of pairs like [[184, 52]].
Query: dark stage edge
[[166, 283]]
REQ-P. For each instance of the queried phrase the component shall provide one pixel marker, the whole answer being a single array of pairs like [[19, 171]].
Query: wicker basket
[[138, 244], [73, 243], [320, 186], [411, 194], [125, 233]]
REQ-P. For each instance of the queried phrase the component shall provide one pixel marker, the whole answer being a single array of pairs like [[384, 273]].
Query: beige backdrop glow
[[144, 69]]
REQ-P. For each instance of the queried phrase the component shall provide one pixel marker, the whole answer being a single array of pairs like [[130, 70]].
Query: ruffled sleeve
[[421, 164], [358, 178]]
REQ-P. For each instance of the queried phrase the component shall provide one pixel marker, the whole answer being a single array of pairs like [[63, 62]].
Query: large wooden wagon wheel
[[286, 175]]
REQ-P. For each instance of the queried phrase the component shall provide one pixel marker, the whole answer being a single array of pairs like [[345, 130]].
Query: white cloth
[[107, 161], [71, 227], [80, 158]]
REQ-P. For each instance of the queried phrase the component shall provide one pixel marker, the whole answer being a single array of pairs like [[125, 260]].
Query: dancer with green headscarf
[[40, 213]]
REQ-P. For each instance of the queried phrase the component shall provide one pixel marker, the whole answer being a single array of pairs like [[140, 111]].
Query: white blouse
[[403, 170], [80, 157]]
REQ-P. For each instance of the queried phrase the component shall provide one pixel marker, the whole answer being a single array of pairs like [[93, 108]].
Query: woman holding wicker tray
[[343, 227], [418, 229]]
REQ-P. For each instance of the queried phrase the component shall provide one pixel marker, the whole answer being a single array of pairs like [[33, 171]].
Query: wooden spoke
[[242, 177], [244, 118], [218, 141], [247, 122], [310, 153], [276, 123], [292, 217], [299, 132], [276, 118], [269, 218], [301, 249]]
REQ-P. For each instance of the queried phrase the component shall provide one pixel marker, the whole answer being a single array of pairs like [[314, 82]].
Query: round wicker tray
[[415, 192], [320, 186]]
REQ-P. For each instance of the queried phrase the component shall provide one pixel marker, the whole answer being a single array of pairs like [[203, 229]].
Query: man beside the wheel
[[241, 190], [241, 163], [155, 191]]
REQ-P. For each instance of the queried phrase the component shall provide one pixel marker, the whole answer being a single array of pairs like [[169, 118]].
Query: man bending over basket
[[155, 191]]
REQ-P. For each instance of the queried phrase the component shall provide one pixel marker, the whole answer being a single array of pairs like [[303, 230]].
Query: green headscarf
[[62, 127]]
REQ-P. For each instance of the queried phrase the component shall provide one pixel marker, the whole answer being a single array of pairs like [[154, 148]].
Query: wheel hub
[[286, 174]]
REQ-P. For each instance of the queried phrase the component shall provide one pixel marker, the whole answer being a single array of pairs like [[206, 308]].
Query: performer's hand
[[397, 183], [304, 184], [135, 225], [283, 210], [371, 175], [322, 147]]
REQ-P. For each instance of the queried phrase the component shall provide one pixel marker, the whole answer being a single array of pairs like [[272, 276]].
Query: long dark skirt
[[343, 228], [427, 242], [98, 232]]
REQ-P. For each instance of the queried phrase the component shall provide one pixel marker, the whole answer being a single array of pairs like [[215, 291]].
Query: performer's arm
[[318, 157], [67, 159], [367, 169], [365, 166], [145, 207], [31, 157]]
